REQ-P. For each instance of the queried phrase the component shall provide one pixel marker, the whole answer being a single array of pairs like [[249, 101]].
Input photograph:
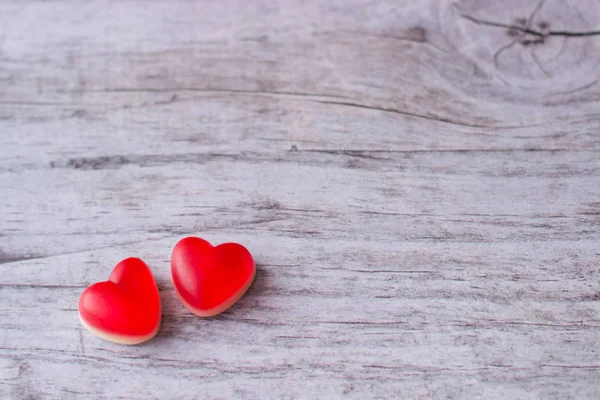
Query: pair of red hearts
[[208, 280]]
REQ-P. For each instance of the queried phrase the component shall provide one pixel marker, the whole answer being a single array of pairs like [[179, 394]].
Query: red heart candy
[[125, 309], [208, 280]]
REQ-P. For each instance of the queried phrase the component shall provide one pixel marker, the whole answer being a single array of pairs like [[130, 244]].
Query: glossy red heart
[[124, 309], [208, 280]]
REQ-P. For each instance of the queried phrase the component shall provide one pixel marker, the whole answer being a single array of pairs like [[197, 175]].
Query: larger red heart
[[125, 309], [208, 280]]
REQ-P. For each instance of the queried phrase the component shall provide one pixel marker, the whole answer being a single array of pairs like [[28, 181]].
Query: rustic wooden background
[[419, 182]]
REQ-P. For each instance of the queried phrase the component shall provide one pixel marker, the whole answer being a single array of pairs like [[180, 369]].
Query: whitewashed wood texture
[[419, 182]]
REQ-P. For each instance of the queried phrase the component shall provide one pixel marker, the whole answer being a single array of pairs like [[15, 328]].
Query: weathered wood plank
[[407, 196], [432, 313], [418, 181]]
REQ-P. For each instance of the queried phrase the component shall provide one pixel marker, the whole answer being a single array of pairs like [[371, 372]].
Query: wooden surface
[[419, 182]]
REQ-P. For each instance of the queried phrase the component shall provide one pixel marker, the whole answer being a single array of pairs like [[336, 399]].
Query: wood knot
[[526, 35]]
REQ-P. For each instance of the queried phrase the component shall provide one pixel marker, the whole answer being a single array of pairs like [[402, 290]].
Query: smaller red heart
[[125, 309], [208, 280]]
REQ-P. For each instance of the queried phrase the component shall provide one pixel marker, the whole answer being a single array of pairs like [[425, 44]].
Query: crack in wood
[[529, 30], [422, 116]]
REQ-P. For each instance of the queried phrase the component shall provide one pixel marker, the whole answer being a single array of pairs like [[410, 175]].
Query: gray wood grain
[[419, 182]]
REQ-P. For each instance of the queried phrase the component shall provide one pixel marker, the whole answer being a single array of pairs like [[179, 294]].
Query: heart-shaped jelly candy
[[124, 309], [210, 279]]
